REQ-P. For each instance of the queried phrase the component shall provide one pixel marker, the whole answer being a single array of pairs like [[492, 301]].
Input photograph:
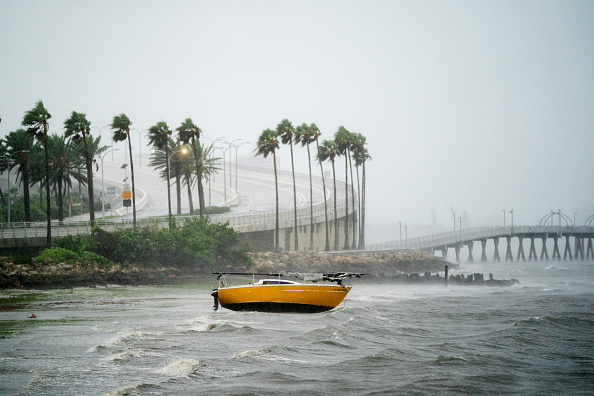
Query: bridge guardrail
[[454, 238]]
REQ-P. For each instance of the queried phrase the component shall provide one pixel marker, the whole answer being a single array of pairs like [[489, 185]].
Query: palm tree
[[342, 139], [361, 155], [188, 131], [65, 163], [315, 133], [352, 138], [159, 138], [328, 151], [19, 146], [176, 163], [267, 144], [304, 135], [121, 131], [37, 122], [285, 131], [78, 127]]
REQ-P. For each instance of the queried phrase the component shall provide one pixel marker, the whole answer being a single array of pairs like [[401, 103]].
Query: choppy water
[[533, 338]]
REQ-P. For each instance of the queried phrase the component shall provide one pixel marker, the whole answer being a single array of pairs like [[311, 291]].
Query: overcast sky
[[468, 106]]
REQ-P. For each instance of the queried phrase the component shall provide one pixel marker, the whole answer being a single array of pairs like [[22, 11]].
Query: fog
[[469, 108]]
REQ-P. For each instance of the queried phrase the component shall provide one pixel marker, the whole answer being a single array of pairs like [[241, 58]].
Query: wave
[[251, 353], [558, 268], [181, 368], [441, 359], [120, 356]]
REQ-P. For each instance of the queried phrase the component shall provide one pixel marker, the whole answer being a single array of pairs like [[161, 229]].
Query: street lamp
[[139, 144], [212, 142], [231, 144], [224, 151], [102, 182], [237, 149], [512, 221], [99, 132]]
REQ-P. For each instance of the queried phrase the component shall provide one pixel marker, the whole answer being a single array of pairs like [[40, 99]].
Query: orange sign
[[126, 194]]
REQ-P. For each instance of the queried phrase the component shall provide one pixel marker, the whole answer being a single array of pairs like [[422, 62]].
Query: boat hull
[[302, 298]]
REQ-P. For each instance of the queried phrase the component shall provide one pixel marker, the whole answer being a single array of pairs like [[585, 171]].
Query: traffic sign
[[126, 194]]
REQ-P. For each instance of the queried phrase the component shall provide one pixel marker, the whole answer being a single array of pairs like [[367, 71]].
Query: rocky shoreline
[[378, 267]]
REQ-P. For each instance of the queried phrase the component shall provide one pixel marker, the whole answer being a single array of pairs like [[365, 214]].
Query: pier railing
[[464, 236]]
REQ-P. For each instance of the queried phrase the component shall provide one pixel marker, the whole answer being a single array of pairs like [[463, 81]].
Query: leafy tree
[[78, 128], [159, 138], [159, 162], [189, 132], [37, 122], [286, 132], [19, 146], [268, 144], [121, 131], [65, 164], [328, 152]]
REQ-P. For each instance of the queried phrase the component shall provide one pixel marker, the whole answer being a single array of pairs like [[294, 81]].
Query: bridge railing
[[454, 238]]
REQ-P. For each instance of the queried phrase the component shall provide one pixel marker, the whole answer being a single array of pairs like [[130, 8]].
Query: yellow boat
[[280, 295]]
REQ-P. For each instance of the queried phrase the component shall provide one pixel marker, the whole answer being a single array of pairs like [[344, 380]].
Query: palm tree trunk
[[168, 180], [48, 240], [335, 211], [133, 185], [189, 184], [325, 201], [276, 230], [347, 246], [294, 196], [362, 232], [60, 201], [26, 193], [354, 245], [178, 188], [358, 204], [89, 183], [311, 231], [198, 177]]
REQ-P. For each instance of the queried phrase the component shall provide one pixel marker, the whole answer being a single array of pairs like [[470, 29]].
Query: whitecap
[[125, 391], [250, 353], [120, 356], [180, 368]]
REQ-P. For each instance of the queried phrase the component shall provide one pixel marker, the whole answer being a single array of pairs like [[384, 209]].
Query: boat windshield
[[275, 282]]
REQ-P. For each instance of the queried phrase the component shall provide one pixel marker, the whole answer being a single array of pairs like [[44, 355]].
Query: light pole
[[512, 221], [400, 224], [504, 218], [139, 144], [102, 183], [224, 151], [99, 132], [460, 219], [212, 142], [231, 144], [236, 150]]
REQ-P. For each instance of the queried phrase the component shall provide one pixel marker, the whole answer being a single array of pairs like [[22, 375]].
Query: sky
[[470, 108]]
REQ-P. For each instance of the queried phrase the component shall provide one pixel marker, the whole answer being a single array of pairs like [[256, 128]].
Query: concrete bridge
[[575, 242]]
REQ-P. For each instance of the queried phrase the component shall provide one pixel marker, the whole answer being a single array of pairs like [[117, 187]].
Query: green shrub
[[90, 257], [57, 254]]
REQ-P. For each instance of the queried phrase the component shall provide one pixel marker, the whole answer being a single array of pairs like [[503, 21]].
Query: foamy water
[[533, 338]]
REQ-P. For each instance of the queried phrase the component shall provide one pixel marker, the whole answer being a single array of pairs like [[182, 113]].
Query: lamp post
[[224, 151], [400, 224], [236, 150], [512, 221], [139, 144], [232, 144], [212, 142], [99, 132], [102, 182], [504, 217]]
